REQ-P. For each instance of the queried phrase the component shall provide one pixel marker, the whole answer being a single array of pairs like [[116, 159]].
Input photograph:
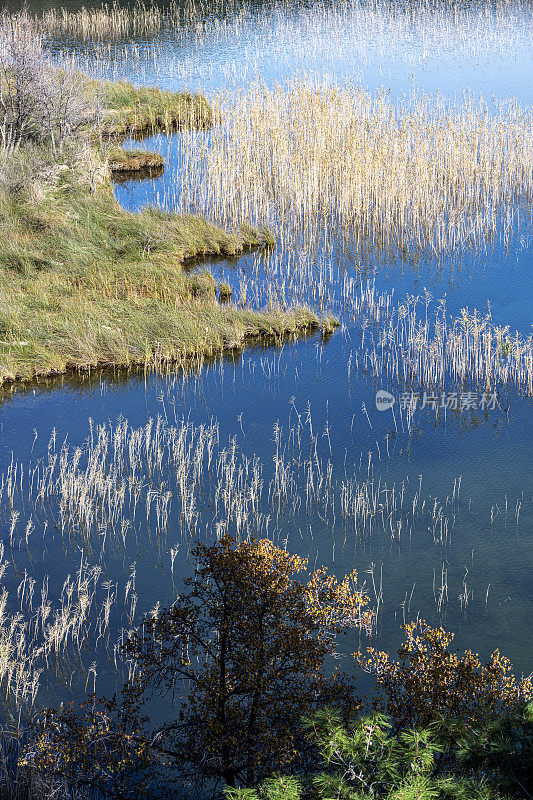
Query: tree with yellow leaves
[[429, 682], [241, 653]]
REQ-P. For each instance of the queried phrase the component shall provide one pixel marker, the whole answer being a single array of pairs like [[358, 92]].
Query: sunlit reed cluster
[[109, 19], [43, 637], [418, 343], [178, 478], [421, 176]]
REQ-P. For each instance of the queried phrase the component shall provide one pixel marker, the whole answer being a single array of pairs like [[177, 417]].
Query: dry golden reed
[[111, 19], [319, 164], [417, 343]]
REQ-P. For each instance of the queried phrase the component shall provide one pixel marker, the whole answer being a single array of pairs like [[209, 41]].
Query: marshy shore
[[85, 283]]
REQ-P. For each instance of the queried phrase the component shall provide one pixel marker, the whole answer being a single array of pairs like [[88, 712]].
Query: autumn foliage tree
[[429, 682], [241, 653], [456, 729], [483, 713], [97, 750]]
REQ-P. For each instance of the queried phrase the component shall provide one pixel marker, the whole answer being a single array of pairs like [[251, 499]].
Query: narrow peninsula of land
[[86, 283]]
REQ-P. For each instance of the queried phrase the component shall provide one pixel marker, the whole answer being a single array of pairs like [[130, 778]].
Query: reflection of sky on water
[[489, 451], [482, 48]]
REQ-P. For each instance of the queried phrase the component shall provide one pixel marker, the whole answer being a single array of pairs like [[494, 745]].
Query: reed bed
[[421, 176], [332, 170], [415, 343], [225, 18], [418, 343], [178, 45], [109, 19], [361, 29], [177, 478], [42, 639]]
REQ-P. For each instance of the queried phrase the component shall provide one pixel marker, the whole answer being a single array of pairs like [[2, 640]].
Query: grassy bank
[[129, 110], [85, 283], [82, 281]]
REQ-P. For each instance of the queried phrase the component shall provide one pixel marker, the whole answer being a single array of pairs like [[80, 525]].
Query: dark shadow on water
[[127, 175], [87, 382]]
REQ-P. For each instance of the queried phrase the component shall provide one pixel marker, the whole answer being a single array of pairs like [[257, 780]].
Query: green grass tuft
[[129, 110], [120, 160]]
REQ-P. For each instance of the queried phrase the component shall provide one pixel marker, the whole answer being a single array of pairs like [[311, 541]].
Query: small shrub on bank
[[100, 751], [429, 682]]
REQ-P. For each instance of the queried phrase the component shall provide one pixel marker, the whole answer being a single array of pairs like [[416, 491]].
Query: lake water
[[434, 507]]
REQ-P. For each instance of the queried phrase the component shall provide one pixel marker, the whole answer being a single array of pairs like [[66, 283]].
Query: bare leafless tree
[[70, 103], [39, 100], [21, 66]]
